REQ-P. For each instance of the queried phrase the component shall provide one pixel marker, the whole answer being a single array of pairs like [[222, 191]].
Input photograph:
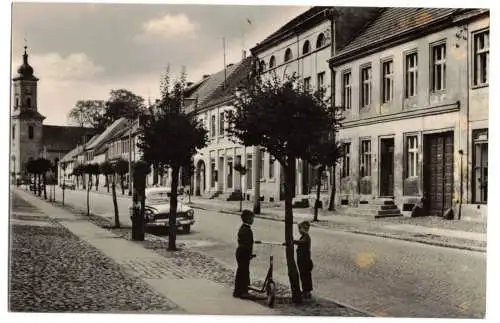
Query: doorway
[[438, 172], [386, 167]]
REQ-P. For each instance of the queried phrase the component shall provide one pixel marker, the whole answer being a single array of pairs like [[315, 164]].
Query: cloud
[[75, 66], [170, 26]]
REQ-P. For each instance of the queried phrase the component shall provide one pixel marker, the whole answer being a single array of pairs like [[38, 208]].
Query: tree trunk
[[155, 174], [63, 186], [256, 174], [331, 206], [44, 186], [241, 192], [40, 185], [318, 192], [115, 202], [121, 184], [293, 274], [88, 195], [83, 182], [172, 219], [138, 197], [77, 182], [107, 183], [97, 182]]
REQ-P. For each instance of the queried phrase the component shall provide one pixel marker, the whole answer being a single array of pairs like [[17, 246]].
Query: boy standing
[[244, 255], [304, 261]]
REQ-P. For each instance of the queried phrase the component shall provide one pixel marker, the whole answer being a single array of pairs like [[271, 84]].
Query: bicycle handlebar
[[269, 242]]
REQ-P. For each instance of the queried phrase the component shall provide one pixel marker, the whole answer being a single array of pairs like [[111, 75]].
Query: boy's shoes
[[307, 295]]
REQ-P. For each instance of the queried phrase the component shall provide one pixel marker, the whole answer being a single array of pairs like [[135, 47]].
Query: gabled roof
[[64, 138], [108, 133], [393, 23], [69, 156]]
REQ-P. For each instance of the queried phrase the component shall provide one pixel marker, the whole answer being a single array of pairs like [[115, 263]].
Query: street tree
[[121, 168], [44, 165], [285, 119], [32, 169], [88, 113], [242, 170], [108, 170], [170, 137], [64, 165], [88, 170]]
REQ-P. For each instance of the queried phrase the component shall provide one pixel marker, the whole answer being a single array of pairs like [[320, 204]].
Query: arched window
[[13, 131], [28, 102], [288, 54], [306, 48], [17, 103], [272, 62], [262, 66], [320, 42], [31, 132]]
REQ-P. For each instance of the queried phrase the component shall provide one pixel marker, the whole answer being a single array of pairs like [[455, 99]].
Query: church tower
[[26, 121]]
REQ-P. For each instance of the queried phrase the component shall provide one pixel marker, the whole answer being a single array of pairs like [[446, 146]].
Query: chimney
[[244, 54], [206, 75], [188, 84]]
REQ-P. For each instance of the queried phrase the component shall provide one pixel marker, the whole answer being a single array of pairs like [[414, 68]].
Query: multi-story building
[[414, 86], [303, 47]]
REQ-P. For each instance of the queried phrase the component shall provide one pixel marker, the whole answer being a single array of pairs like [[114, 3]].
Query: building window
[[262, 66], [411, 71], [272, 62], [261, 164], [288, 54], [212, 125], [221, 124], [249, 172], [271, 166], [480, 164], [366, 86], [481, 57], [28, 102], [14, 132], [213, 178], [321, 80], [438, 67], [346, 91], [411, 156], [388, 81], [31, 132], [306, 48], [366, 158], [346, 160], [320, 41], [17, 104], [307, 84]]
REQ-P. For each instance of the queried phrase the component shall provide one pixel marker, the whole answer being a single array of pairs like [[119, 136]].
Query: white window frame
[[213, 129], [411, 74], [366, 86], [346, 160], [221, 123], [480, 73], [412, 151], [321, 80], [366, 157], [307, 83], [387, 81], [347, 90], [438, 71]]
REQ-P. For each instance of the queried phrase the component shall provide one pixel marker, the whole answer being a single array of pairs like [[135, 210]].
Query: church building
[[30, 138]]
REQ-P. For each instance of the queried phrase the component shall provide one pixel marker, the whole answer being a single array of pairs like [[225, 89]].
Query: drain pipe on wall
[[461, 153]]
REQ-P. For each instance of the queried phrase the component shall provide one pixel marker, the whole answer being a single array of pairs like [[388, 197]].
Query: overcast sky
[[82, 51]]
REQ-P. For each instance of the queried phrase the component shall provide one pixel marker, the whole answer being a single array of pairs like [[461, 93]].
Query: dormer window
[[272, 62], [320, 42], [288, 54], [306, 48]]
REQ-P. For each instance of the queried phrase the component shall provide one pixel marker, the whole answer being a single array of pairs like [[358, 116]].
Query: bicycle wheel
[[271, 293]]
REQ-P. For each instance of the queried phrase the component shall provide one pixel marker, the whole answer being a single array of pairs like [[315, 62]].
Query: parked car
[[68, 183], [157, 209]]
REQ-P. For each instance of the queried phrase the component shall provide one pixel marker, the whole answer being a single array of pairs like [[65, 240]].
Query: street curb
[[424, 241], [380, 235]]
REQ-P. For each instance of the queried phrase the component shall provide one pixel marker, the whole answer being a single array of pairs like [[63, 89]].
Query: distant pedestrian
[[244, 255], [304, 260]]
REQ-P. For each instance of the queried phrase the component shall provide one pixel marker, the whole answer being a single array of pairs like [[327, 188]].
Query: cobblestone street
[[54, 271]]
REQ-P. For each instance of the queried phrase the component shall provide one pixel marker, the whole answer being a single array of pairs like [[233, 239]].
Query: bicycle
[[269, 286]]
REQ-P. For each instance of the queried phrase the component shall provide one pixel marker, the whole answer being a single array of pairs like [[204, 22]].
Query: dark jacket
[[245, 240], [303, 249]]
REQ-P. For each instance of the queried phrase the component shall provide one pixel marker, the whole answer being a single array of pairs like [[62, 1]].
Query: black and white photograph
[[308, 159]]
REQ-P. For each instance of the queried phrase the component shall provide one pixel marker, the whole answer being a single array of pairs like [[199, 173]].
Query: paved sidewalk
[[194, 295]]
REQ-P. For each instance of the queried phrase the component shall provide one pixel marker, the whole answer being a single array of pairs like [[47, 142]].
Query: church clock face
[[28, 90]]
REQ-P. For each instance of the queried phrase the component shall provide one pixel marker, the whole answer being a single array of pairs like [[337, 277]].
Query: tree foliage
[[169, 138], [289, 121], [88, 113]]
